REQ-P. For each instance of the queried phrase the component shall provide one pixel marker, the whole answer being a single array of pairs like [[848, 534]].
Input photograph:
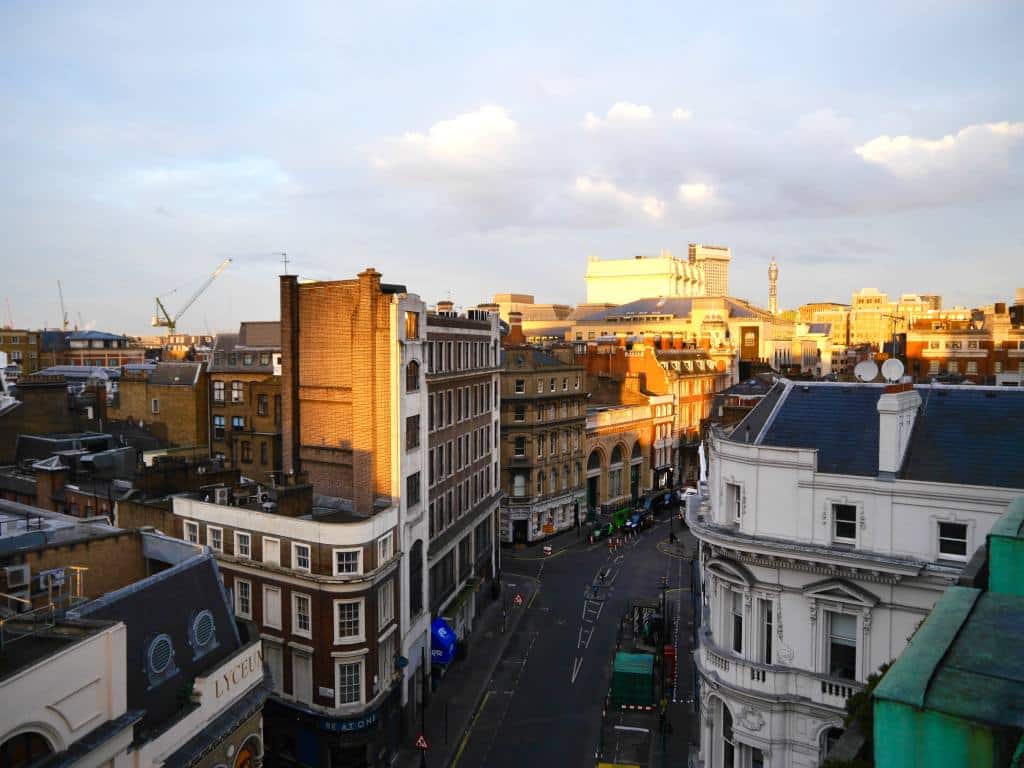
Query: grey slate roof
[[965, 435], [181, 374], [823, 328]]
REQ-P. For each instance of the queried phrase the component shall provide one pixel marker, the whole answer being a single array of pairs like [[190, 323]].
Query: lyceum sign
[[239, 672]]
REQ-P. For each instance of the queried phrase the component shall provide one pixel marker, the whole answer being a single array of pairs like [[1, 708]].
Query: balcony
[[772, 680]]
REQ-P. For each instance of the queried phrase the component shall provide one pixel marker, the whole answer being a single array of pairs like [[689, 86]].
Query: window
[[842, 645], [218, 391], [540, 386], [271, 607], [519, 412], [271, 551], [729, 751], [953, 540], [386, 653], [565, 384], [765, 609], [416, 578], [954, 366], [243, 545], [218, 427], [519, 484], [302, 676], [261, 405], [734, 501], [273, 656], [737, 621], [385, 605], [238, 422], [243, 598], [520, 446], [412, 490], [972, 366], [350, 682], [215, 538], [246, 451], [385, 548], [348, 625], [263, 452], [302, 615], [412, 376], [412, 325], [154, 405], [300, 557], [844, 523], [264, 358], [412, 432], [191, 532], [237, 392], [347, 561]]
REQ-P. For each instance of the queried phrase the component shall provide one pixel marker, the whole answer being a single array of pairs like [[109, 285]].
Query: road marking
[[576, 666], [465, 737], [620, 558], [584, 643]]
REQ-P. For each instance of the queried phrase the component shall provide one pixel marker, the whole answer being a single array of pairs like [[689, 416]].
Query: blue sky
[[473, 148]]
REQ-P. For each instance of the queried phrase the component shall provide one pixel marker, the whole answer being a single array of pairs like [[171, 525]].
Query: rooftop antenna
[[866, 370], [284, 259]]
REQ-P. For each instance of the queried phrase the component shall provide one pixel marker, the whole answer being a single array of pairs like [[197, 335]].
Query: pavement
[[457, 696], [532, 694]]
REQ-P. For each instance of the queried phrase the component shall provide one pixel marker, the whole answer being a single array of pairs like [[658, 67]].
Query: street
[[543, 705]]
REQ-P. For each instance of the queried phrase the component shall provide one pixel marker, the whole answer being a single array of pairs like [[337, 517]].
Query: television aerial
[[892, 370], [866, 370]]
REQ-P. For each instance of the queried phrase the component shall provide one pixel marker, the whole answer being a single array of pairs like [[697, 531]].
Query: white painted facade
[[798, 567]]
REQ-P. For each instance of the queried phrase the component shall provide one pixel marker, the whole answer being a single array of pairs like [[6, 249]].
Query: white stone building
[[837, 515]]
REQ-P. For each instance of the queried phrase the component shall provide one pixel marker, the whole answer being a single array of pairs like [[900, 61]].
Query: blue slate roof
[[676, 306], [95, 336], [965, 435]]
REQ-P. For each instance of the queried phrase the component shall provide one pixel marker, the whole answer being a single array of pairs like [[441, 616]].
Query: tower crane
[[63, 310], [163, 318]]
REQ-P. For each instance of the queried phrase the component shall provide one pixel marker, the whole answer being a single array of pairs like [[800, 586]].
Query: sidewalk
[[459, 692], [558, 542]]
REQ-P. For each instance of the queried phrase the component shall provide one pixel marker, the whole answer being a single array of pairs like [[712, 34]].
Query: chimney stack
[[515, 334], [897, 408], [445, 307]]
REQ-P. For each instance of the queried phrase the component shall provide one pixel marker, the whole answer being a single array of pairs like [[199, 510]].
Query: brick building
[[99, 348], [22, 348], [463, 401], [169, 400], [245, 399], [543, 418]]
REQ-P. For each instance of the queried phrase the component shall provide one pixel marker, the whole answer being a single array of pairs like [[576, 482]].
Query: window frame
[[334, 561], [295, 557], [297, 597], [385, 617], [263, 550], [829, 636], [835, 522], [238, 598], [272, 588], [210, 529], [360, 636], [238, 537], [939, 538], [190, 525], [361, 677], [385, 553]]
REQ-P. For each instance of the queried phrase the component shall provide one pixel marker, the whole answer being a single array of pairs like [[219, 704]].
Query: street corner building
[[838, 515]]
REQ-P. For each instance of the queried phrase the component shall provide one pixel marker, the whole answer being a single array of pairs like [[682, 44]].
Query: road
[[543, 704]]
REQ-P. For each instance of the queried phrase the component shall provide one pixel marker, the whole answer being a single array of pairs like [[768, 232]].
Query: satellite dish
[[892, 370], [866, 370]]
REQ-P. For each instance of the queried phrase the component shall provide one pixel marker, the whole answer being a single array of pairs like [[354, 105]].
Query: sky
[[465, 149]]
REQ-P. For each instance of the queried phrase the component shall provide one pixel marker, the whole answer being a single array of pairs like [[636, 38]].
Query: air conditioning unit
[[220, 495], [18, 576]]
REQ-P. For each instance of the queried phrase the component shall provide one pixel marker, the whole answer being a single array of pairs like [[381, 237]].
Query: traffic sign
[[517, 600], [421, 742]]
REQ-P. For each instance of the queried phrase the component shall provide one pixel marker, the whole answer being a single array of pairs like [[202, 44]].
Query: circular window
[[160, 653], [202, 629]]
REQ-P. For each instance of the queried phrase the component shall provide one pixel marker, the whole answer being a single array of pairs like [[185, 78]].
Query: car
[[602, 530]]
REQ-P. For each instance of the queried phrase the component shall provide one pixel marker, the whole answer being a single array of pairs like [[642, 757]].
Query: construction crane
[[163, 318], [63, 310]]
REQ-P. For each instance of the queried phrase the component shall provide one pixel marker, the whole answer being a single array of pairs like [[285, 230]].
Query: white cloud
[[978, 146], [604, 191], [485, 139], [619, 112], [681, 115], [696, 193]]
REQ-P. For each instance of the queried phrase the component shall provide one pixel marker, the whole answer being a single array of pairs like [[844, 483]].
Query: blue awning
[[442, 642]]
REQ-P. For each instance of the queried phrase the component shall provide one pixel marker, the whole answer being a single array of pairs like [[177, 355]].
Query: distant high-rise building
[[713, 261], [773, 293]]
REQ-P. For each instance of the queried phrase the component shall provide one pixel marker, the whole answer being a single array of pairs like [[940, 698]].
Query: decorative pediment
[[842, 591], [730, 570]]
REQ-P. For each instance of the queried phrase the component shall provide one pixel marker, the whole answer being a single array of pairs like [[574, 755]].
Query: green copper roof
[[966, 660], [1011, 524]]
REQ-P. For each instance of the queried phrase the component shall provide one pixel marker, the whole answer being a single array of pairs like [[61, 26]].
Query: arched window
[[412, 376], [416, 578], [519, 484], [828, 740], [594, 460], [728, 739], [554, 479], [24, 749], [616, 455], [636, 450]]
